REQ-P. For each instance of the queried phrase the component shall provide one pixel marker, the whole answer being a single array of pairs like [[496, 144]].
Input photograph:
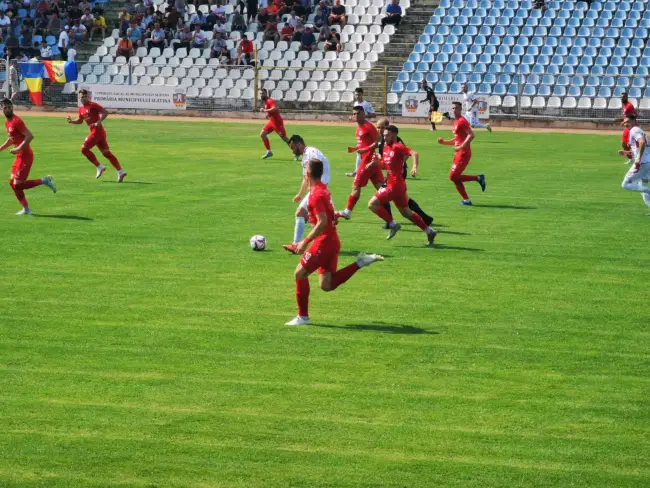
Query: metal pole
[[8, 76], [130, 73], [519, 95], [385, 90], [255, 81]]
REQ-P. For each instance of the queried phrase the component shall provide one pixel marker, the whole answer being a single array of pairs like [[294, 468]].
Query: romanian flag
[[33, 76], [61, 71]]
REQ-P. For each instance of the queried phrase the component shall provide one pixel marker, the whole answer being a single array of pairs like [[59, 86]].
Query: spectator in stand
[[72, 54], [27, 39], [219, 11], [238, 23], [337, 15], [80, 31], [333, 43], [210, 21], [157, 38], [224, 57], [218, 43], [53, 26], [198, 38], [135, 34], [173, 18], [57, 7], [541, 4], [219, 27], [393, 14], [298, 31], [180, 6], [42, 7], [273, 11], [28, 26], [12, 45], [196, 19], [271, 32], [124, 20], [320, 19], [185, 38], [99, 25], [87, 19], [324, 33], [287, 32], [74, 13], [5, 24], [251, 10], [46, 51], [64, 41], [34, 52], [40, 25], [263, 18], [85, 5], [308, 41], [148, 22], [302, 7], [326, 10], [98, 10], [245, 51], [125, 47]]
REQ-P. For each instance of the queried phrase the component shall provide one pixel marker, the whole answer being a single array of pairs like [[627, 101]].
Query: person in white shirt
[[46, 51], [307, 153], [370, 114], [471, 109], [636, 179], [72, 54], [64, 41], [14, 81]]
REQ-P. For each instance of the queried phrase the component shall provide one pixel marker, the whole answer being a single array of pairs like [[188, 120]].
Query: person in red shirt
[[275, 123], [628, 109], [94, 114], [463, 136], [323, 253], [367, 136], [393, 159], [21, 137]]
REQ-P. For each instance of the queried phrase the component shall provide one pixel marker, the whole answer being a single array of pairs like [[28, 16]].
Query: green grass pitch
[[142, 341]]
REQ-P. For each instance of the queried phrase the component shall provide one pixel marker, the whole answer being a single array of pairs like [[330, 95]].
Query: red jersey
[[320, 200], [394, 157], [90, 113], [461, 130], [275, 116], [366, 135], [16, 130], [628, 109]]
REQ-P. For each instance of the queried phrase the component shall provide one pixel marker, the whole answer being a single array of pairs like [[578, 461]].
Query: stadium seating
[[571, 55]]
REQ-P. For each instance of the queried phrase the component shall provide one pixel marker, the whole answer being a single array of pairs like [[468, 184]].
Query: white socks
[[298, 230], [635, 186], [646, 198], [358, 161]]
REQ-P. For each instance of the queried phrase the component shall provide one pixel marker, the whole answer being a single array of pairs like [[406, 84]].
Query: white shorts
[[305, 201], [633, 175], [472, 118]]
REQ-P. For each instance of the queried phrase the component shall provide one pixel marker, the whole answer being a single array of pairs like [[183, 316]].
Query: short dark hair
[[6, 101], [359, 108], [624, 94], [83, 91], [358, 90], [392, 128], [316, 168], [296, 139], [457, 103]]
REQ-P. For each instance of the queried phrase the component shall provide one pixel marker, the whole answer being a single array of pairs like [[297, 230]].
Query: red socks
[[111, 157], [461, 189], [343, 275], [417, 220], [467, 178], [302, 297], [383, 213], [26, 185], [267, 145], [90, 156], [352, 201]]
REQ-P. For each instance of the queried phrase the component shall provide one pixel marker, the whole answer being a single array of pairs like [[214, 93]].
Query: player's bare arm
[[303, 189], [416, 163], [642, 145], [441, 141], [5, 145], [29, 137], [466, 142], [76, 121], [321, 223], [102, 116]]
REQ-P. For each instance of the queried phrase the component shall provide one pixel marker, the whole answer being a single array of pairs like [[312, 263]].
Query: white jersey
[[313, 153], [636, 136], [367, 108], [469, 100]]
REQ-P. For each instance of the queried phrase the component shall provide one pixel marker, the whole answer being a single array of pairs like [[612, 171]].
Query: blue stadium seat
[[539, 69], [428, 58], [589, 91], [634, 92], [412, 88], [451, 68], [423, 67], [417, 77], [446, 78], [408, 67], [441, 87], [495, 69], [414, 58], [559, 91], [499, 59], [544, 91], [403, 77], [433, 48], [437, 67], [618, 91], [499, 89], [432, 78], [574, 91], [397, 87], [623, 81], [627, 71]]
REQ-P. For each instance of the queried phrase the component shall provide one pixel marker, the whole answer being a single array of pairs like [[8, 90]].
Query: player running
[[94, 115], [413, 205], [367, 136], [628, 109], [393, 159], [434, 104], [21, 137], [463, 136], [471, 109], [637, 177], [298, 147], [275, 123], [370, 114], [323, 253]]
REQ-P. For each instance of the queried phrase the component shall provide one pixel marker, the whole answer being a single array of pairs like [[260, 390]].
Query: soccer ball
[[258, 243]]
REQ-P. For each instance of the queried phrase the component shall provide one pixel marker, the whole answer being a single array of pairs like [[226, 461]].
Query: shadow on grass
[[453, 233], [443, 247], [126, 182], [356, 253], [380, 327], [511, 207], [65, 217]]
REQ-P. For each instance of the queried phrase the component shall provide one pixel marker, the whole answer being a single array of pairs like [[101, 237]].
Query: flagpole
[[8, 76]]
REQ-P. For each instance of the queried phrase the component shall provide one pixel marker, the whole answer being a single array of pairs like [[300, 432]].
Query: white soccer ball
[[258, 243]]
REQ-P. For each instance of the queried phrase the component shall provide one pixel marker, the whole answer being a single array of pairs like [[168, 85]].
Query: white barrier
[[137, 97], [413, 106]]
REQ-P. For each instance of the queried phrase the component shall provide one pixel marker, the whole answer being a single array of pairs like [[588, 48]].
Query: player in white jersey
[[370, 114], [471, 109], [636, 179], [306, 153]]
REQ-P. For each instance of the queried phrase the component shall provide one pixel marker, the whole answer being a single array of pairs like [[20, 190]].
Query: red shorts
[[461, 160], [272, 126], [96, 139], [393, 194], [322, 255], [364, 175], [625, 138], [22, 165]]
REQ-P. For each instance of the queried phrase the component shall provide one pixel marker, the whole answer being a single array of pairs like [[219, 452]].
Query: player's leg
[[102, 145], [330, 279], [646, 198], [299, 227], [359, 182], [457, 177], [302, 295], [413, 205], [433, 125], [89, 143], [625, 145], [401, 202], [268, 128], [475, 123], [356, 168], [635, 180], [377, 206]]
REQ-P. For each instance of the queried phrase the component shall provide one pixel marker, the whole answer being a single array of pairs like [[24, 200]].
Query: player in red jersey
[[94, 114], [21, 137], [463, 136], [628, 109], [393, 158], [275, 123], [367, 136], [323, 253]]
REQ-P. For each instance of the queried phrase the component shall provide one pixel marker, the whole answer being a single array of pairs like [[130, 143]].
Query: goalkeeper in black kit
[[434, 104], [413, 205]]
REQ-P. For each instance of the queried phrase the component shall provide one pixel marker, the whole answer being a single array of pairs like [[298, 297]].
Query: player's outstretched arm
[[450, 142], [416, 163], [76, 121], [303, 188], [321, 223], [5, 145], [466, 142]]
